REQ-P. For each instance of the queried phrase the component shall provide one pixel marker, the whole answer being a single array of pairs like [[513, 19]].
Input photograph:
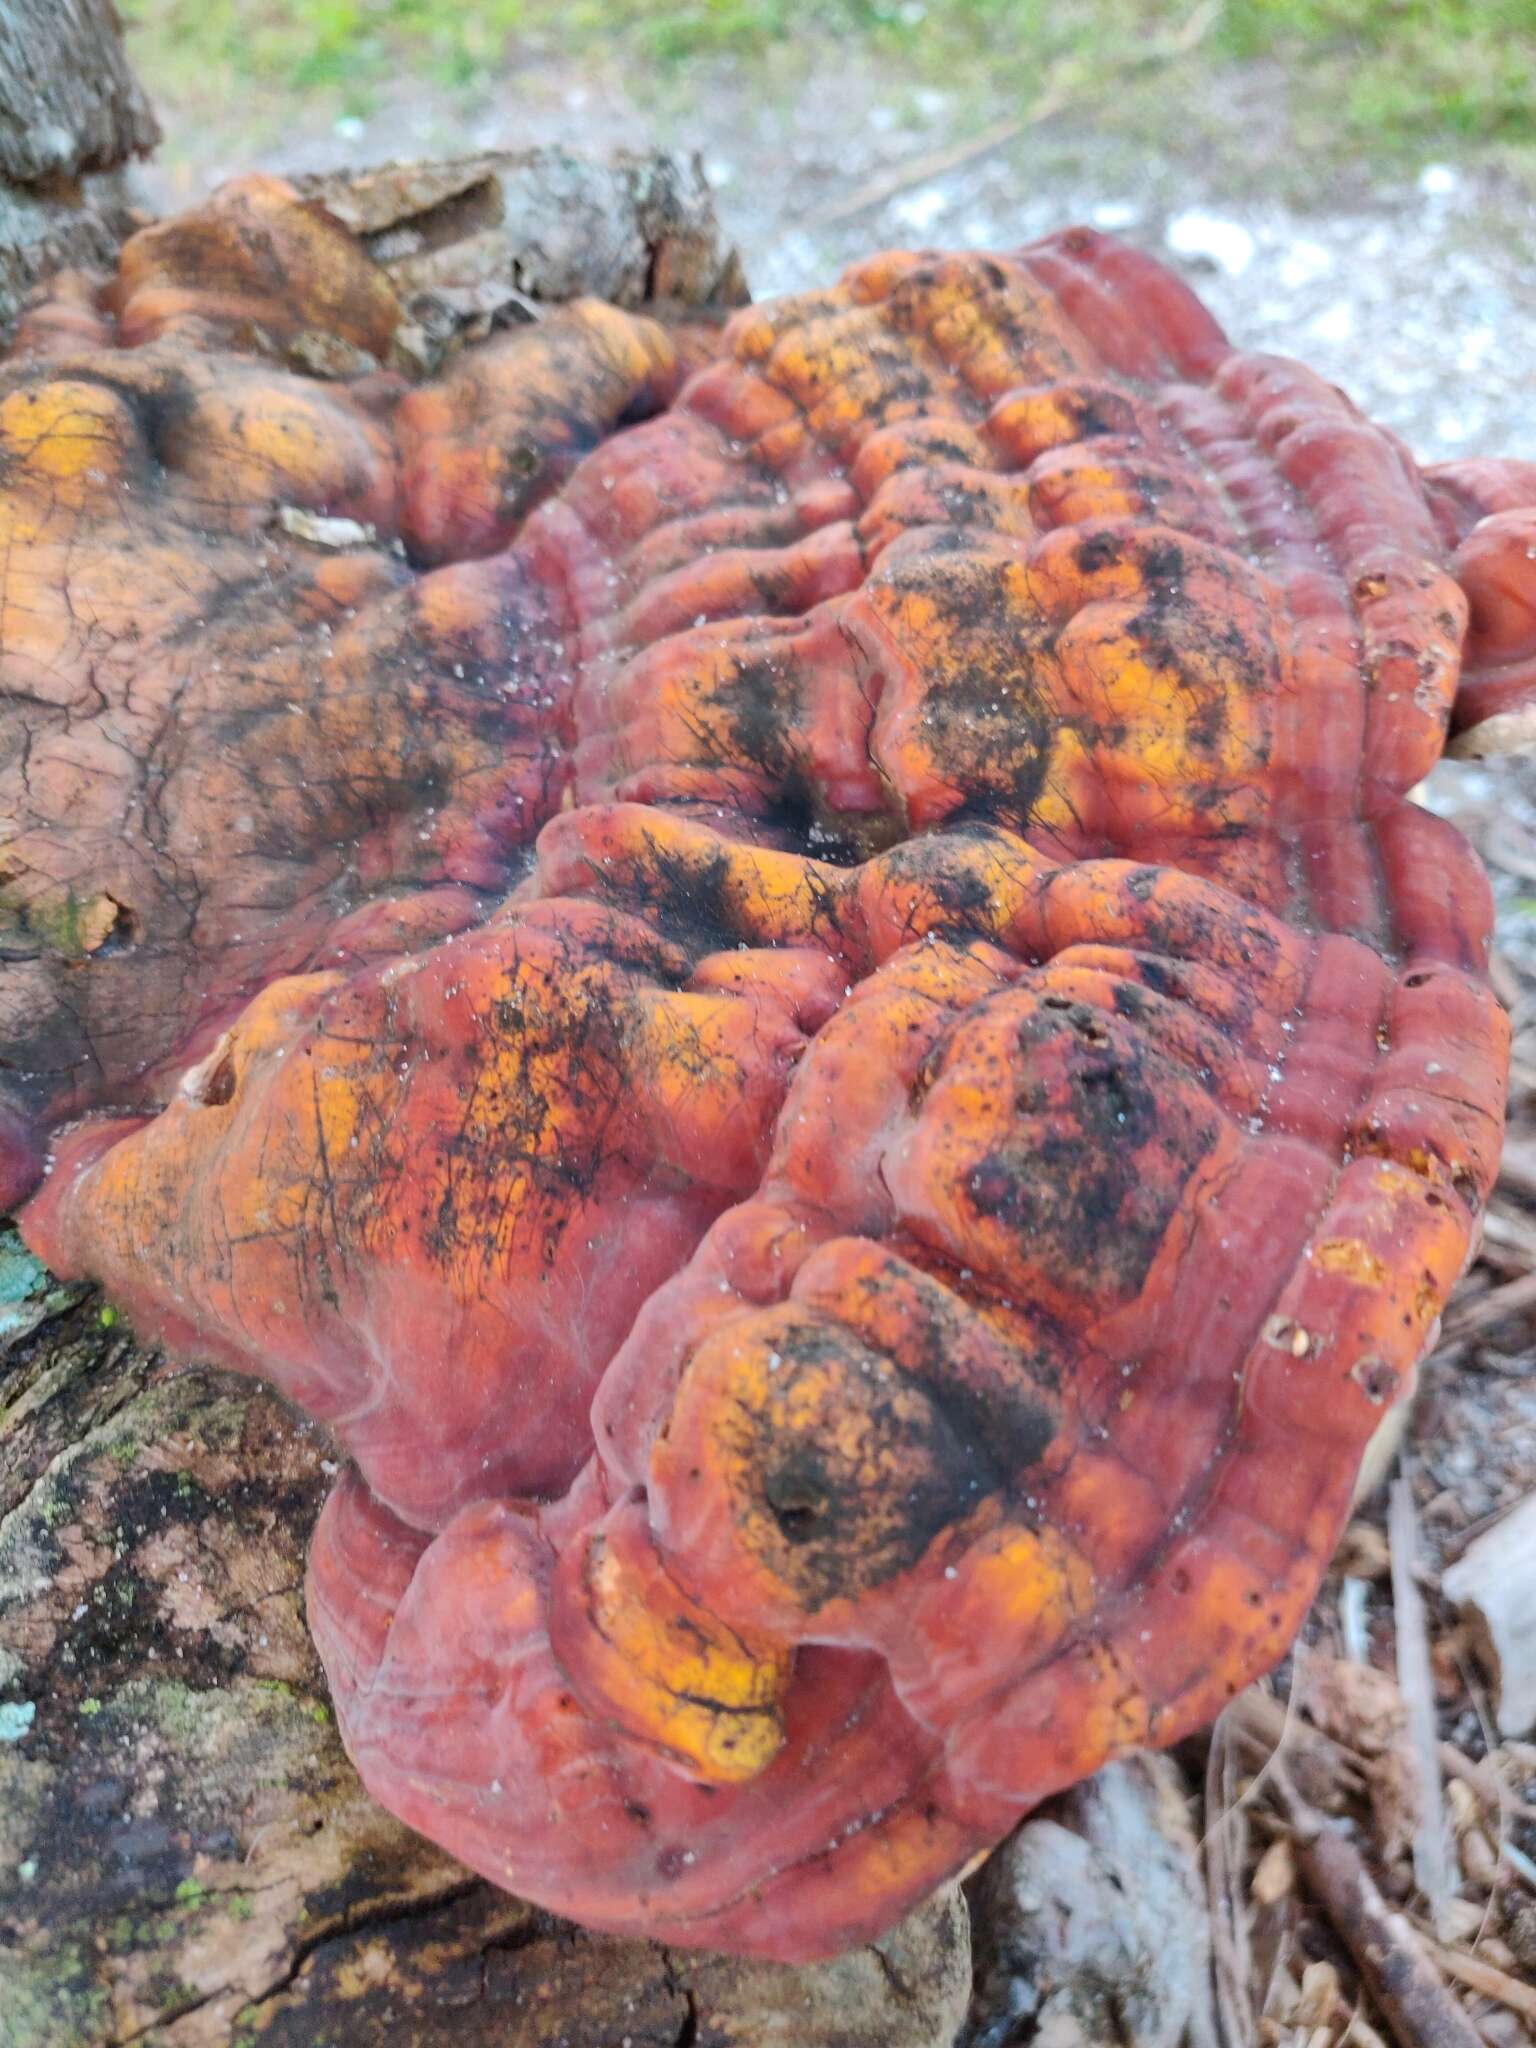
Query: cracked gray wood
[[72, 115], [1092, 1923]]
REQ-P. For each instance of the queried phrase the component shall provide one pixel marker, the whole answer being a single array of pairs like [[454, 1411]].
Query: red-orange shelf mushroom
[[860, 1288]]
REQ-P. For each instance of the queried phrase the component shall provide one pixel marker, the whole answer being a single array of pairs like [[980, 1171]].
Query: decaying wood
[[186, 1854], [487, 238], [1494, 1584], [1091, 1920], [72, 114]]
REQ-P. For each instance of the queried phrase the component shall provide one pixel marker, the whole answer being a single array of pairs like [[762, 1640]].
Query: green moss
[[177, 1710], [55, 2003], [60, 924], [29, 1294]]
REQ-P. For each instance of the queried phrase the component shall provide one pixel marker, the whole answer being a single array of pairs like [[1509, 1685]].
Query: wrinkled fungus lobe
[[857, 1265]]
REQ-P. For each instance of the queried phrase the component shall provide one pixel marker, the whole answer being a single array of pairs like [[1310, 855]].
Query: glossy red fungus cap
[[860, 1288], [1487, 512]]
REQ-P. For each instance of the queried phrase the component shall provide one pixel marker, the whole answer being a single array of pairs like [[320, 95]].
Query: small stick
[[1407, 1991], [1431, 1860], [1513, 1234], [1462, 1318], [1058, 94], [1485, 1782], [918, 170], [1361, 2033], [1260, 1721], [1517, 1170], [1353, 1625], [1268, 1729], [1485, 1979], [1225, 1846]]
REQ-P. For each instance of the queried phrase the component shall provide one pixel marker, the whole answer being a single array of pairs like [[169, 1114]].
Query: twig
[[1262, 1723], [1501, 1815], [1484, 1978], [1360, 2032], [1485, 1782], [1517, 1169], [1353, 1626], [1431, 1862], [1506, 982], [1509, 1242], [1056, 97], [1274, 1731], [1389, 1952], [933, 163], [1226, 1847], [1484, 1310]]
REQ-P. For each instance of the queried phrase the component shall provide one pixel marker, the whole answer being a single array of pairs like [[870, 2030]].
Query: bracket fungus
[[803, 1000]]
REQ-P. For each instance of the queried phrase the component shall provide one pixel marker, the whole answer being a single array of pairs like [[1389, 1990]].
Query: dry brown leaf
[[1321, 1996], [1275, 1877]]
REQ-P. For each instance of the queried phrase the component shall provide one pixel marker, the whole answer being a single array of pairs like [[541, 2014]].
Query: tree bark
[[72, 116], [69, 103]]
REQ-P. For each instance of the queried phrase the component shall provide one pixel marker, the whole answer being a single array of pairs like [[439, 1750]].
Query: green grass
[[1408, 70], [1374, 76]]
